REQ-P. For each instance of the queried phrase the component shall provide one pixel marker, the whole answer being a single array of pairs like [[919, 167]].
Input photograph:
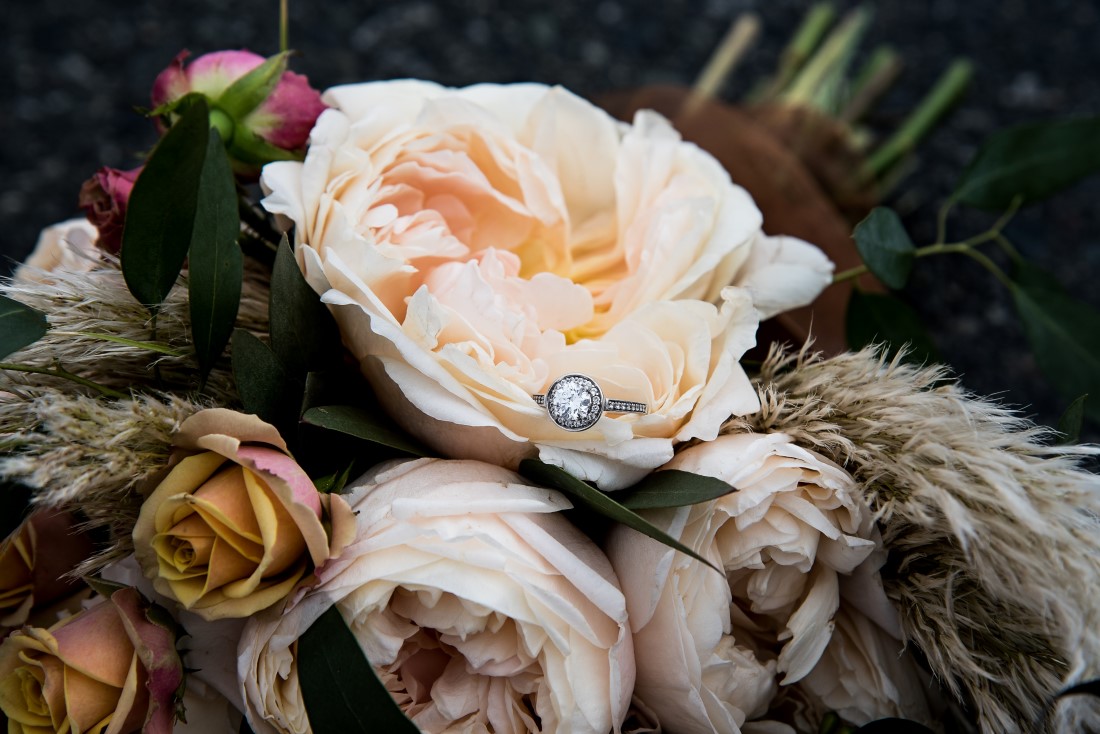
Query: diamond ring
[[575, 402]]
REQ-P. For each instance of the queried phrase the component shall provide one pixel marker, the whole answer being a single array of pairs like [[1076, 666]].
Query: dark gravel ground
[[72, 71]]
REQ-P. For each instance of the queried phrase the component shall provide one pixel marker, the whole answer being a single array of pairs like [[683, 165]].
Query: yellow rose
[[30, 578], [107, 669], [236, 523]]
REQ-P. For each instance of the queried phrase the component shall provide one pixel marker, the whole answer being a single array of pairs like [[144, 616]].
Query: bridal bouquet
[[405, 408]]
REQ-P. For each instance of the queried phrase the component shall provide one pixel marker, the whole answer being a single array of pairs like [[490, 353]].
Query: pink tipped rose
[[104, 198], [282, 120], [111, 667]]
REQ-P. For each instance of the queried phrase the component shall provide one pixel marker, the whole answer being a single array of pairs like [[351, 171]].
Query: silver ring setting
[[575, 402]]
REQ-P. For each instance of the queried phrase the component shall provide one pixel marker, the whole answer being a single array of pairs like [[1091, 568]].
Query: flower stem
[[284, 25], [947, 90], [817, 82], [150, 346], [59, 371], [801, 47], [737, 41]]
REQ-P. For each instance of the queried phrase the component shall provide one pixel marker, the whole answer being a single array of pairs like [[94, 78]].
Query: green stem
[[284, 25], [815, 83], [1009, 249], [873, 80], [944, 94], [58, 371], [991, 266], [802, 45], [151, 346]]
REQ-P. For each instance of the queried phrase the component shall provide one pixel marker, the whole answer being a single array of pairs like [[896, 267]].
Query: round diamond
[[574, 402]]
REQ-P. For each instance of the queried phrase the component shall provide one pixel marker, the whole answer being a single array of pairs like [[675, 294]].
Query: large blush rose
[[236, 523], [481, 607], [476, 244], [709, 647]]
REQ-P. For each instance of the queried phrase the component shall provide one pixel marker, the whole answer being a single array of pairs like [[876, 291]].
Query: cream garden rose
[[482, 608], [476, 244], [67, 246], [236, 523], [712, 650]]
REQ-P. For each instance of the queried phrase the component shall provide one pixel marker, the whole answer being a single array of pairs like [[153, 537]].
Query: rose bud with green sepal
[[263, 111]]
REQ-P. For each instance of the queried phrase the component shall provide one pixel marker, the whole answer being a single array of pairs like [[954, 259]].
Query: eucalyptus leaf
[[340, 690], [215, 263], [20, 326], [1064, 334], [885, 247], [672, 488], [1069, 425], [263, 383], [303, 332], [1030, 162], [249, 92], [875, 318], [893, 726], [375, 427], [160, 215], [600, 503]]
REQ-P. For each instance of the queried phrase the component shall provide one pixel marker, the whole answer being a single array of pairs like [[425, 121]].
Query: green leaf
[[215, 264], [1031, 162], [600, 503], [263, 383], [340, 690], [874, 318], [375, 427], [672, 488], [160, 216], [885, 247], [1069, 425], [20, 326], [303, 332], [250, 91], [1064, 334]]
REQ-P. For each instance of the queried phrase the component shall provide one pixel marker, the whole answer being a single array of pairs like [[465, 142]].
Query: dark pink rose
[[104, 197]]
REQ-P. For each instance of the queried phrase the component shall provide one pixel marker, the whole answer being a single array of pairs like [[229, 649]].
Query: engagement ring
[[575, 402]]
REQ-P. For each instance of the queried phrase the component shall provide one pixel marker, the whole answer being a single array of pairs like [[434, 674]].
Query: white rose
[[865, 674], [476, 244], [709, 646], [461, 564], [67, 246]]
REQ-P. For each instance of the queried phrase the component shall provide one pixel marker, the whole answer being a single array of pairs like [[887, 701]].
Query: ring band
[[575, 402]]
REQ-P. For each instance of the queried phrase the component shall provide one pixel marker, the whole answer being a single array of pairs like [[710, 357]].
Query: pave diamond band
[[575, 402]]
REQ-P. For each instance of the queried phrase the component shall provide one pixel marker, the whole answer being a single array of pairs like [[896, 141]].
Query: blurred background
[[74, 71]]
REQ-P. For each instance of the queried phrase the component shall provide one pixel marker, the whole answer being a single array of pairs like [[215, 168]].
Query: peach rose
[[66, 246], [708, 648], [236, 523], [476, 244], [34, 561], [106, 669], [480, 606]]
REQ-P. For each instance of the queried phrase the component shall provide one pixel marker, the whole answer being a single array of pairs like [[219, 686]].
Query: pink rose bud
[[260, 119], [104, 197]]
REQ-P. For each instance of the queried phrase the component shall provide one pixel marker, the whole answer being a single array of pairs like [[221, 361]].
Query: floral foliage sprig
[[381, 490]]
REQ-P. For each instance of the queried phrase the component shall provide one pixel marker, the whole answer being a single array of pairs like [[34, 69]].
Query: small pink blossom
[[283, 120]]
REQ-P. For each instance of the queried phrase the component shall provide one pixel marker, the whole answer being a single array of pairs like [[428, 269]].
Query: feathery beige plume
[[993, 533]]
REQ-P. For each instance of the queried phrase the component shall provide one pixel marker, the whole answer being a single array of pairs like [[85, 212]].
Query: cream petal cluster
[[67, 246], [476, 244], [711, 648], [480, 606]]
